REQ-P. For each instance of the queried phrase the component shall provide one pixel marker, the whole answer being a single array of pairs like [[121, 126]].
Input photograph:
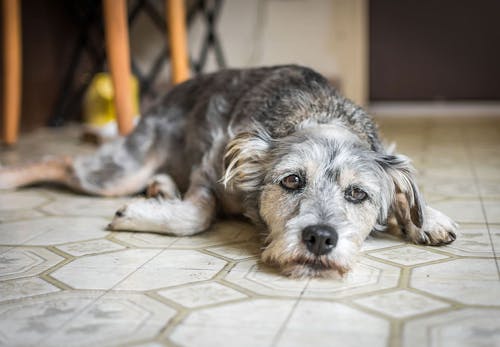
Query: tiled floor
[[65, 281]]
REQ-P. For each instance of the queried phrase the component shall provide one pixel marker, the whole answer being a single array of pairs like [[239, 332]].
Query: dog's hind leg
[[190, 215], [118, 168], [182, 217], [50, 169]]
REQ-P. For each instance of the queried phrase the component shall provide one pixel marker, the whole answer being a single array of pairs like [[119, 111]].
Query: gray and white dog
[[278, 145]]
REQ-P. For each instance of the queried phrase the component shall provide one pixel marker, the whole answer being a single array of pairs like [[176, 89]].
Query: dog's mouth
[[300, 263], [309, 266]]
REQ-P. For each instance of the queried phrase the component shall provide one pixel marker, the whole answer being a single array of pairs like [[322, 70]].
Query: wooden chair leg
[[11, 69], [118, 54], [177, 40]]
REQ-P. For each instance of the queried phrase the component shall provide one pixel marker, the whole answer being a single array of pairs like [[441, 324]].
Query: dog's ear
[[244, 160], [408, 203]]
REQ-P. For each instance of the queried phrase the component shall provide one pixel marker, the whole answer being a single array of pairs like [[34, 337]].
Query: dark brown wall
[[48, 37], [434, 50]]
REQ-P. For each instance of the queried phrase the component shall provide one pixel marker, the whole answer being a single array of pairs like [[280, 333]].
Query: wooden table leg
[[11, 69], [177, 40], [118, 54]]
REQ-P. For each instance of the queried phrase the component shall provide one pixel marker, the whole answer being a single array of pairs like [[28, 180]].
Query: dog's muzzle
[[320, 239]]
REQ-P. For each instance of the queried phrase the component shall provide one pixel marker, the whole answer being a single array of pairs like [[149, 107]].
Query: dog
[[278, 145]]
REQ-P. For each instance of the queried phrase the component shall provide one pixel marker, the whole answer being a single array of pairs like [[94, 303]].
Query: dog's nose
[[320, 239]]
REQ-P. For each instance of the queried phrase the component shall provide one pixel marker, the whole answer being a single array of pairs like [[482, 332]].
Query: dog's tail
[[51, 169]]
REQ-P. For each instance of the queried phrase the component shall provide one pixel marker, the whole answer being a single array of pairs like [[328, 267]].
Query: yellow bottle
[[99, 106]]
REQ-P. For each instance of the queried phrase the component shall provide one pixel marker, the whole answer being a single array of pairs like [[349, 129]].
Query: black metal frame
[[87, 15], [211, 15]]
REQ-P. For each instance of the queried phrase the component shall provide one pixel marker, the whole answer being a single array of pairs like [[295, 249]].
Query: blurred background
[[394, 57]]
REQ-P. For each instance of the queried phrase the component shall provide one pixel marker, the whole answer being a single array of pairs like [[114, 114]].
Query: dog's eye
[[292, 182], [356, 195]]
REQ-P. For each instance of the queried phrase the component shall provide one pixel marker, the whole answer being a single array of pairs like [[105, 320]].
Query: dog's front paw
[[148, 215], [438, 230], [131, 216], [120, 220]]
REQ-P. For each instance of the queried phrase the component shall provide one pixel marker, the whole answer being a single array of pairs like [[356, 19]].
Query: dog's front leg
[[180, 217], [438, 229]]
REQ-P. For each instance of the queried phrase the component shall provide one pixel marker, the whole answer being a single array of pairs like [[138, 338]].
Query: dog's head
[[319, 192]]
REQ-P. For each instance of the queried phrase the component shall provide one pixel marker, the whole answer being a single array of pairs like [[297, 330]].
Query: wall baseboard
[[435, 109]]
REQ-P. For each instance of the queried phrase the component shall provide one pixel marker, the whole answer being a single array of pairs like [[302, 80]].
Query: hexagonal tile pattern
[[265, 280], [462, 328], [171, 268], [201, 294], [90, 247], [238, 251], [144, 240], [25, 287], [379, 241], [24, 262], [265, 322], [67, 281], [250, 323], [408, 255], [103, 271], [82, 319], [366, 276], [28, 321], [401, 303], [469, 281], [139, 269], [52, 230], [318, 323], [114, 319]]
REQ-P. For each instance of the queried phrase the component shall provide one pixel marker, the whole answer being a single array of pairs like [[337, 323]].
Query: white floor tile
[[119, 282], [201, 294], [401, 303], [468, 281], [462, 328]]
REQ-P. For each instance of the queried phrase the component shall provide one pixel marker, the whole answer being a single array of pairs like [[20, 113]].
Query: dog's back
[[279, 98], [191, 119]]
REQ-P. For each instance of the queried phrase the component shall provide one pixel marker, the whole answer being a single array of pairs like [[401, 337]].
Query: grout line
[[220, 276], [481, 199], [25, 242], [171, 325], [281, 331], [395, 338], [99, 297]]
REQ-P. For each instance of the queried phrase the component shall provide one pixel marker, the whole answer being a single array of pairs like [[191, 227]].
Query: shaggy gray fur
[[229, 139]]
